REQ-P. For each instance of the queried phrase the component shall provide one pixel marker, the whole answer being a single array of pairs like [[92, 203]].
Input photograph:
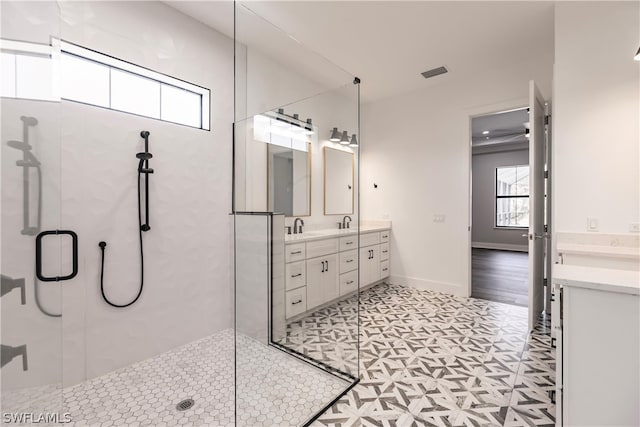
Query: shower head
[[19, 145], [29, 121]]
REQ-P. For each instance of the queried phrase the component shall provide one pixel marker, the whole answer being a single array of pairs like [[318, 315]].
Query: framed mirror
[[338, 182], [289, 179]]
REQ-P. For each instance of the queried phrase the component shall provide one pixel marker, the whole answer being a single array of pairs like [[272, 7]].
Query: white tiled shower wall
[[188, 289], [188, 286]]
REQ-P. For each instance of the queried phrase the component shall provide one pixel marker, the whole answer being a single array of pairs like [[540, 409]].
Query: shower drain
[[185, 404]]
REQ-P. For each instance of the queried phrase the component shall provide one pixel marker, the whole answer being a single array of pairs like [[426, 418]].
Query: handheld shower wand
[[143, 169]]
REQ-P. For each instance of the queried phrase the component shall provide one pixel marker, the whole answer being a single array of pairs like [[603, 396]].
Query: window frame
[[497, 197], [59, 47]]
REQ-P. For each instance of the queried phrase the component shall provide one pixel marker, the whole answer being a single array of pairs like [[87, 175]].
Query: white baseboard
[[430, 285], [500, 246]]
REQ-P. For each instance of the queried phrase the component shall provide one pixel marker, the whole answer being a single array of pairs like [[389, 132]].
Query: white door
[[536, 203]]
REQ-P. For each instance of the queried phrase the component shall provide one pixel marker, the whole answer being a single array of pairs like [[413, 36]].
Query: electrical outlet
[[592, 224], [634, 227]]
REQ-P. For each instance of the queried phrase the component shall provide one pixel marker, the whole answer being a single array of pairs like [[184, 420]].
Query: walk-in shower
[[212, 333]]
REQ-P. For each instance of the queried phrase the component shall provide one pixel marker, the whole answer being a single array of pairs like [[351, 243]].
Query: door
[[330, 285], [31, 294], [548, 207], [315, 275], [536, 203], [369, 265]]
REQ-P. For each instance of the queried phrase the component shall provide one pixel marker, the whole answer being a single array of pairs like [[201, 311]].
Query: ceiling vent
[[434, 72]]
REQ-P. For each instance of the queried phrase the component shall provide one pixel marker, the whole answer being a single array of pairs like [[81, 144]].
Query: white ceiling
[[506, 127], [389, 43]]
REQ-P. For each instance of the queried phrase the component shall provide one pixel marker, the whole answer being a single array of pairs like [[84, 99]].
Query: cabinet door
[[315, 276], [330, 284], [365, 259], [369, 265], [374, 265]]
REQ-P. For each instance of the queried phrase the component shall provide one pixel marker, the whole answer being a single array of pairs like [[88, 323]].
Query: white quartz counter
[[602, 279], [312, 235], [599, 250]]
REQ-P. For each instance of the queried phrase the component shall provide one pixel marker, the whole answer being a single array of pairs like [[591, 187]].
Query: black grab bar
[[74, 240]]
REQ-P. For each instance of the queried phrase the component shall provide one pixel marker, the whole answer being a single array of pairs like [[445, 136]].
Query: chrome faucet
[[346, 224], [297, 229]]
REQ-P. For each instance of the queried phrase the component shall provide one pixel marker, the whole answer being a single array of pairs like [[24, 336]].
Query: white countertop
[[601, 279], [309, 236], [599, 250]]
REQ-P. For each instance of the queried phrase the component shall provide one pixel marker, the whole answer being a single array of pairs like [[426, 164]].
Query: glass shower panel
[[30, 150], [296, 269]]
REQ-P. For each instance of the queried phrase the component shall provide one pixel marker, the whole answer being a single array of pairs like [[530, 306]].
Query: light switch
[[592, 224]]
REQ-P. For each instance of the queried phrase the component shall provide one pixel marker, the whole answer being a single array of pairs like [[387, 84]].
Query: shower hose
[[104, 244]]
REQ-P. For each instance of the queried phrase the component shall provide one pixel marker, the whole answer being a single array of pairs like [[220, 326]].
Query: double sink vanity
[[322, 266]]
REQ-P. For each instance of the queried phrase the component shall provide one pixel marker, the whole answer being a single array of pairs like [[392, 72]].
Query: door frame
[[472, 113]]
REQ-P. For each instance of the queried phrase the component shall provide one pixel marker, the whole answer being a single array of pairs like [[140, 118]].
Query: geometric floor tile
[[428, 358]]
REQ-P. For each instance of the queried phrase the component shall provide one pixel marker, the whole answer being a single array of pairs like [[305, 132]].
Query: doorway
[[500, 206]]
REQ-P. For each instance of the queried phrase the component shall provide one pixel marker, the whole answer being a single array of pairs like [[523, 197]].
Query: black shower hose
[[104, 244]]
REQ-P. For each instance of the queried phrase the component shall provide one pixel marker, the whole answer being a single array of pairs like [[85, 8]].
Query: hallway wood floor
[[500, 276]]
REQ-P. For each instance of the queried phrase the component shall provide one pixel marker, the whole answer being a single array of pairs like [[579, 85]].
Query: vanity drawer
[[295, 275], [348, 282], [384, 269], [348, 243], [322, 247], [296, 301], [369, 239], [348, 261], [384, 251], [295, 252], [384, 236]]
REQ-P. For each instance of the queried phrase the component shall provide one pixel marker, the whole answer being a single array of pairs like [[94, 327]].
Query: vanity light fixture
[[637, 57], [354, 141], [335, 135], [345, 138]]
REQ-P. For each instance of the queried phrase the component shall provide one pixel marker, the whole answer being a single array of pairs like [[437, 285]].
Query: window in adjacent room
[[512, 196]]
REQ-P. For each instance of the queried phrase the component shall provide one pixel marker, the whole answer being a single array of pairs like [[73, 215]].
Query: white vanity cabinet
[[369, 265], [322, 280], [374, 257], [320, 270]]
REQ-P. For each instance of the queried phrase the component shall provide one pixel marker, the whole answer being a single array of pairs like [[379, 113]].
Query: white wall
[[188, 288], [416, 147], [596, 116], [484, 233]]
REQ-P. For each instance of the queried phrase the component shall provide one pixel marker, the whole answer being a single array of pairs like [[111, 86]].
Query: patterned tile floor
[[437, 360]]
